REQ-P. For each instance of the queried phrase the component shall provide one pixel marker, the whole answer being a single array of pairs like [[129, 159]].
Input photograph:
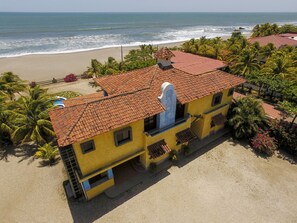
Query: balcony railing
[[180, 121]]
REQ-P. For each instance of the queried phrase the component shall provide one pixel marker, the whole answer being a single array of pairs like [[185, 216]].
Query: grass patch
[[67, 94]]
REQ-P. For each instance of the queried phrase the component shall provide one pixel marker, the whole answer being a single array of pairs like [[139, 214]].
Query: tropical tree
[[31, 117], [245, 63], [139, 58], [267, 51], [217, 48], [6, 126], [266, 29], [259, 80], [95, 69], [47, 152], [280, 64], [288, 28], [11, 84], [246, 117], [290, 108]]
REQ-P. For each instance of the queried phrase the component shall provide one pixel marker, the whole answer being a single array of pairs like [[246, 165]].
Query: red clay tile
[[133, 96], [277, 40]]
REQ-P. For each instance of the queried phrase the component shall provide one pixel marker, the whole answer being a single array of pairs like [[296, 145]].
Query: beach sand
[[48, 66]]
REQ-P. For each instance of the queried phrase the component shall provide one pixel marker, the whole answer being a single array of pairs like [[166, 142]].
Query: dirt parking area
[[227, 183]]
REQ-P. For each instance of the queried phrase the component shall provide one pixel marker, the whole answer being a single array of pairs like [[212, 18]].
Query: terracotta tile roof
[[79, 122], [270, 110], [219, 119], [158, 149], [164, 53], [83, 99], [290, 35], [188, 87], [185, 136], [194, 64], [277, 40], [132, 96]]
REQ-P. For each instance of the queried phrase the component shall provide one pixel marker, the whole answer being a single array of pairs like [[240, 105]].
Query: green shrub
[[66, 94], [285, 135], [174, 156], [47, 152], [54, 80], [32, 84], [186, 149]]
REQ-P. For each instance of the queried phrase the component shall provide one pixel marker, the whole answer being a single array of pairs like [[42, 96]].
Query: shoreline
[[41, 67], [44, 67]]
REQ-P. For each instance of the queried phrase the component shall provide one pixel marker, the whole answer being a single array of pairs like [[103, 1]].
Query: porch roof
[[219, 119], [158, 149], [185, 136]]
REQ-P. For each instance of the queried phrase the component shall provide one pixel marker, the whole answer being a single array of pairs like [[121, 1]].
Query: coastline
[[41, 67]]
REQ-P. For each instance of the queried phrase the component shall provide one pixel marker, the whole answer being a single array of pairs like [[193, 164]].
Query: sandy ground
[[226, 184], [80, 86], [49, 66]]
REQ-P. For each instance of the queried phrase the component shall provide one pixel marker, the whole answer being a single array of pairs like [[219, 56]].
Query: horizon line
[[148, 12]]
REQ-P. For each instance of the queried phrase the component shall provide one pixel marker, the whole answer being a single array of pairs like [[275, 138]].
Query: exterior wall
[[107, 154], [106, 151], [170, 137], [201, 126], [206, 129], [99, 189]]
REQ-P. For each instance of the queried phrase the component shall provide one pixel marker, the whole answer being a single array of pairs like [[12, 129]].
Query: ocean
[[50, 33]]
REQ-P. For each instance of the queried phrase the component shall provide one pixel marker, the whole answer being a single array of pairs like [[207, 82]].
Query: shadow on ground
[[47, 163], [194, 155], [286, 156], [90, 211], [25, 152]]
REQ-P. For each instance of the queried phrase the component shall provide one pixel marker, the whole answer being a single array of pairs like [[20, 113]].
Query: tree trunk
[[259, 90], [271, 95], [291, 125], [242, 88]]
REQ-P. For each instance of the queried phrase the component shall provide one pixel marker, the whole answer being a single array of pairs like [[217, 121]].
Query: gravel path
[[226, 184]]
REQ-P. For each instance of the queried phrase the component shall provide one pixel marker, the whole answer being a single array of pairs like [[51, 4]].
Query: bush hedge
[[70, 78]]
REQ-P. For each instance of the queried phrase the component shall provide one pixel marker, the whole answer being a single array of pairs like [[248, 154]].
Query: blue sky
[[148, 5]]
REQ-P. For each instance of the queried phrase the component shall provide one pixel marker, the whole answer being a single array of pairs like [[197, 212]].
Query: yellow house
[[141, 116]]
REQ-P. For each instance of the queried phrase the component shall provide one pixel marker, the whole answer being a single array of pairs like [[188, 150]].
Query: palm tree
[[11, 84], [6, 126], [290, 108], [217, 45], [47, 152], [31, 117], [95, 69], [280, 64], [245, 63], [247, 116], [267, 51]]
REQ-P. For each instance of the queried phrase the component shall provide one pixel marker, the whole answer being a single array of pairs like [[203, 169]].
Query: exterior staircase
[[68, 157]]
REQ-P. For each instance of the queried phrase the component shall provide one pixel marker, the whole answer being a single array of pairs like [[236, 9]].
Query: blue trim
[[86, 185], [110, 174]]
